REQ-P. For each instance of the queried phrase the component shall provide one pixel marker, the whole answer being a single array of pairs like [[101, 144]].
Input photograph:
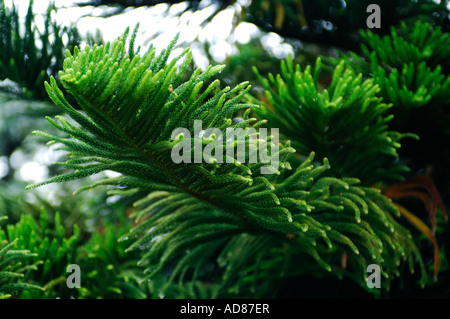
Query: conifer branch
[[132, 103]]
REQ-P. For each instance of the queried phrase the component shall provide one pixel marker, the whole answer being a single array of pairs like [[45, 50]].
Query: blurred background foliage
[[55, 228]]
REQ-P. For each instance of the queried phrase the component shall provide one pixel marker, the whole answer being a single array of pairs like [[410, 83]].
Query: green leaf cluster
[[13, 266], [29, 56], [410, 64], [53, 250], [56, 242], [344, 120], [107, 270]]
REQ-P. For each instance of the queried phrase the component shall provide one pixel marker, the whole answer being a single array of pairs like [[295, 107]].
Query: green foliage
[[195, 211], [28, 56], [52, 249], [13, 266], [344, 121], [410, 65], [107, 271], [410, 43]]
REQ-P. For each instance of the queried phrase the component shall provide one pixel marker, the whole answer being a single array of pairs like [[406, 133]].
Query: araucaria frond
[[345, 121], [132, 103]]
